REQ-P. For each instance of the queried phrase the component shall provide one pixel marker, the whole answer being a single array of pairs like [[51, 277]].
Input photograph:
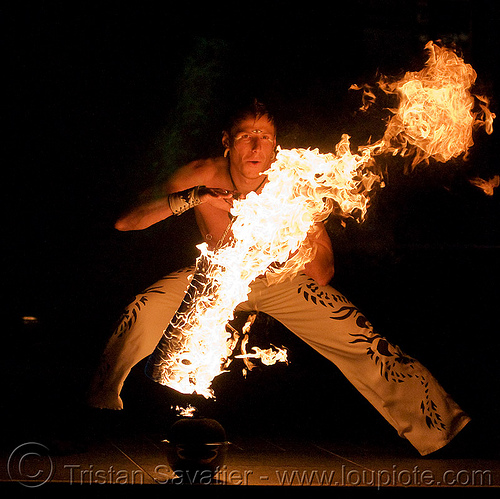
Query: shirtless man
[[250, 145], [398, 386]]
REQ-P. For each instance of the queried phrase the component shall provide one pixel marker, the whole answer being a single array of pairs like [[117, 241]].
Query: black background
[[105, 99]]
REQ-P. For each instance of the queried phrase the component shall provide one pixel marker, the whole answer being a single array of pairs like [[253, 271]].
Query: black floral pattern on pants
[[129, 315], [394, 365]]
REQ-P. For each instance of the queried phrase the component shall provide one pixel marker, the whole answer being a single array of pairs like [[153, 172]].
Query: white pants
[[398, 386]]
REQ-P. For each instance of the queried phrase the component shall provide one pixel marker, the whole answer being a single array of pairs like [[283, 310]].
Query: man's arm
[[144, 215], [152, 211], [321, 268]]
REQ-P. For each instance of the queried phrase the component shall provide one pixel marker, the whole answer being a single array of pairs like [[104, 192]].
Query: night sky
[[105, 99]]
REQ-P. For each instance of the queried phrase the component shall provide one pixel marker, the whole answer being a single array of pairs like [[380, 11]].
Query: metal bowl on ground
[[196, 449]]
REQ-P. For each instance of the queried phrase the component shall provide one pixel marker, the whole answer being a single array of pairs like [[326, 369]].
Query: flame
[[435, 118], [488, 186], [437, 112], [269, 356], [187, 412], [304, 187]]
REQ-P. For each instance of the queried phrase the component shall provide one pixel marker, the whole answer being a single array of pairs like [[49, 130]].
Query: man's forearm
[[145, 215], [175, 203]]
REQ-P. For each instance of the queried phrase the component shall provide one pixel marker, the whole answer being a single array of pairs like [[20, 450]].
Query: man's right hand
[[220, 198]]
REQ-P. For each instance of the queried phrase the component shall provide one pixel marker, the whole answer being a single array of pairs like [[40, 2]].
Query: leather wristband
[[179, 202]]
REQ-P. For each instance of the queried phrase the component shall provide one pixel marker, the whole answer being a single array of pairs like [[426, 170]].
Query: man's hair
[[254, 108]]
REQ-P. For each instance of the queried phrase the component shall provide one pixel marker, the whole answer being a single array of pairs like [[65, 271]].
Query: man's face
[[251, 146]]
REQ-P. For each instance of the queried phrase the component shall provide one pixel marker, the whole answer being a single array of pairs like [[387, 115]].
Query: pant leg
[[136, 336], [398, 386]]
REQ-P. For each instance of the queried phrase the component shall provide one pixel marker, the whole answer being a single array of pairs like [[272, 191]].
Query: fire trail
[[435, 118]]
